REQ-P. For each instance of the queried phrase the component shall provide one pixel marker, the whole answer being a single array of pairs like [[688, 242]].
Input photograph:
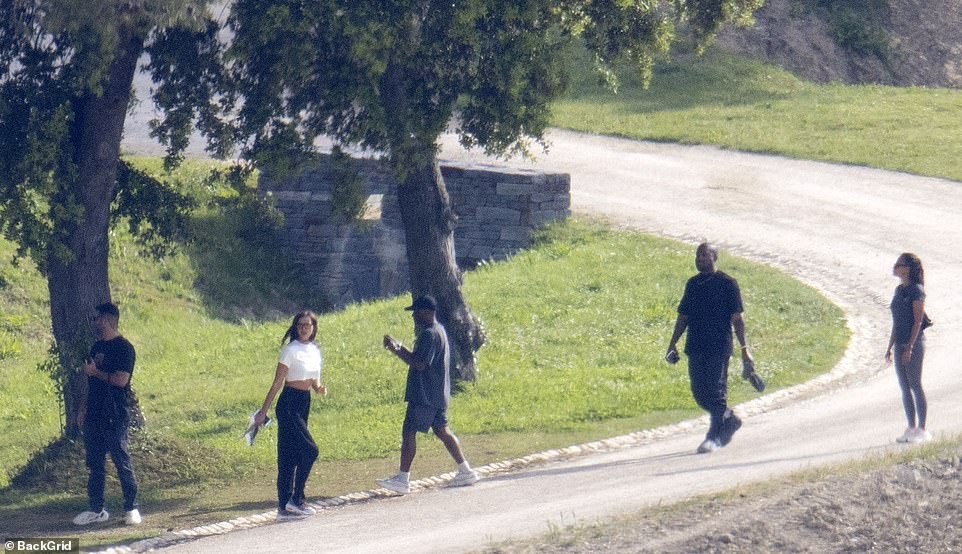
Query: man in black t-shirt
[[710, 307], [105, 418]]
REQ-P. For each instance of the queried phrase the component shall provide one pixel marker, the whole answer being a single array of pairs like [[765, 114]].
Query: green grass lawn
[[576, 330], [747, 105]]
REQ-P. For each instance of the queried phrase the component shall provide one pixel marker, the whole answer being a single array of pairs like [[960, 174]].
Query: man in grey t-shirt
[[427, 393]]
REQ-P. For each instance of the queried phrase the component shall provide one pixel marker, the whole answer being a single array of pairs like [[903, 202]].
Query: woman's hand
[[888, 355], [259, 417], [907, 355], [319, 388]]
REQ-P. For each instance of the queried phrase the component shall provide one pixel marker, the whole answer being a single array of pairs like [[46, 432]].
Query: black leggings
[[296, 450], [910, 381]]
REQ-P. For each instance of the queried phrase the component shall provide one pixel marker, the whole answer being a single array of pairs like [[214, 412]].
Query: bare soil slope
[[923, 44]]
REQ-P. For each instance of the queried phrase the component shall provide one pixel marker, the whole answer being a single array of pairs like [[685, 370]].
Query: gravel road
[[838, 228]]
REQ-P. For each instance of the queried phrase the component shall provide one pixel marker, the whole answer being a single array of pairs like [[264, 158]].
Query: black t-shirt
[[105, 402], [903, 318], [709, 302]]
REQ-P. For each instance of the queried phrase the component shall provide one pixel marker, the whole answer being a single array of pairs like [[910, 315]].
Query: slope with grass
[[736, 103]]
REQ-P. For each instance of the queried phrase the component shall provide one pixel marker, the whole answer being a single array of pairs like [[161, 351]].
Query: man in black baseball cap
[[428, 393]]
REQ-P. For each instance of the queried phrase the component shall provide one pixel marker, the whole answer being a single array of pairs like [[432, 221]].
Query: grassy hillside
[[741, 104]]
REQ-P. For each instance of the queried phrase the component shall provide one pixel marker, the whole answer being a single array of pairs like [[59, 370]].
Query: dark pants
[[102, 438], [296, 450], [709, 385], [910, 381]]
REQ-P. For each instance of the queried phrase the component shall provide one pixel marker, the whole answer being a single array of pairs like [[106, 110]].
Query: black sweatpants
[[296, 450], [709, 385], [102, 438]]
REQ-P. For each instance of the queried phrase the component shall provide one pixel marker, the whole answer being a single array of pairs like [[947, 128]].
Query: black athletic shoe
[[731, 424]]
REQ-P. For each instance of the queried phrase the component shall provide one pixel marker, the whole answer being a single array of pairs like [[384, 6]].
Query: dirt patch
[[906, 507], [921, 44]]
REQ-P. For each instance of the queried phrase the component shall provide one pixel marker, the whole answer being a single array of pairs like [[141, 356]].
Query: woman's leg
[[913, 374], [286, 449], [306, 447]]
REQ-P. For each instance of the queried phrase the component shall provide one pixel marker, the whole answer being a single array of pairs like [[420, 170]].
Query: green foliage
[[347, 187], [388, 76], [859, 25]]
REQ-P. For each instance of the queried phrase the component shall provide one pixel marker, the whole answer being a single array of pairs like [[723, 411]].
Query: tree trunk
[[80, 283], [429, 239]]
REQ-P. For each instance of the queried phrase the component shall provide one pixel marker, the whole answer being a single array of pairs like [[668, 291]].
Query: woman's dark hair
[[916, 273], [291, 334]]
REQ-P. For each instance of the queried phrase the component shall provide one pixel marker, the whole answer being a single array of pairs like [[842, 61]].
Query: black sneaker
[[729, 426]]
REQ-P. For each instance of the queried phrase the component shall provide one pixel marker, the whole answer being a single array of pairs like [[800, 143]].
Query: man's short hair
[[709, 247], [108, 308]]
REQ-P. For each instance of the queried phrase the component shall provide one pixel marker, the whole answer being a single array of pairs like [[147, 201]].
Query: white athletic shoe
[[88, 517], [464, 478], [300, 509], [287, 513], [908, 435], [920, 435], [133, 517], [395, 483], [708, 445]]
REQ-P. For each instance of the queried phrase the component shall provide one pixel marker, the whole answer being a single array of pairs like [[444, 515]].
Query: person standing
[[105, 418], [908, 339], [710, 307], [428, 394], [298, 372]]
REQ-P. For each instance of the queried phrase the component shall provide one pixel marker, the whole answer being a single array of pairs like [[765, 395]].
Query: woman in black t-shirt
[[908, 339]]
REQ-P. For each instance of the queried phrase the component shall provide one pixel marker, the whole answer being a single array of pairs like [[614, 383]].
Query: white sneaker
[[300, 509], [395, 483], [708, 445], [133, 517], [920, 435], [88, 517], [464, 478], [287, 513], [907, 436]]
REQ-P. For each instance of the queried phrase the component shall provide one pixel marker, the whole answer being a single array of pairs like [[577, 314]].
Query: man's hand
[[89, 367], [671, 356], [391, 344]]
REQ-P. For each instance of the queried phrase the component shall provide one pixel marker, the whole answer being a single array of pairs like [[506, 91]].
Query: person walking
[[104, 416], [710, 307], [908, 339], [428, 394], [298, 373]]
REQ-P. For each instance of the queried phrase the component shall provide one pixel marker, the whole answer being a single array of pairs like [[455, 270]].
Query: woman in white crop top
[[298, 372]]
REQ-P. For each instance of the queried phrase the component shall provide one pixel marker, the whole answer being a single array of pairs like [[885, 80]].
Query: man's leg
[[125, 468], [709, 386], [95, 449], [451, 442], [409, 447]]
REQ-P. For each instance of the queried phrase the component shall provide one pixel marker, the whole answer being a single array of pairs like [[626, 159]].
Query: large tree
[[390, 75], [66, 75]]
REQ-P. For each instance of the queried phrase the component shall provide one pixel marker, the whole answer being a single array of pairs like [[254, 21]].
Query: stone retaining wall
[[497, 209]]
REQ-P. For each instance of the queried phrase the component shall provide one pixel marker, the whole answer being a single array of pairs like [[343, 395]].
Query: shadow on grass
[[244, 272]]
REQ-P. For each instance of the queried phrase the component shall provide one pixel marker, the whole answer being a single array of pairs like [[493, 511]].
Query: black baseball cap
[[425, 302]]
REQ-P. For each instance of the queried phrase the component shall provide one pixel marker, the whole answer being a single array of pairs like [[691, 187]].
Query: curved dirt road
[[836, 227]]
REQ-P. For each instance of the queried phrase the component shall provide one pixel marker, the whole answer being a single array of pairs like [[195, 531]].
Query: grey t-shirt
[[431, 386]]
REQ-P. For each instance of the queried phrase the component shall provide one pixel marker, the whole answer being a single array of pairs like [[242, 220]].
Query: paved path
[[836, 227]]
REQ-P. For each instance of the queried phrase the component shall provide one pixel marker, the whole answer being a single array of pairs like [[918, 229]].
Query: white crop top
[[303, 361]]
